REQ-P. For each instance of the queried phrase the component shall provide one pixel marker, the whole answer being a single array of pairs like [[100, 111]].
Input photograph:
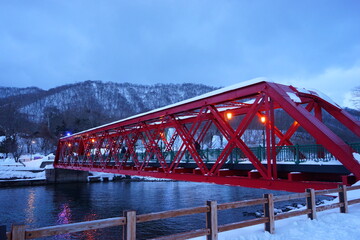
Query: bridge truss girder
[[114, 147]]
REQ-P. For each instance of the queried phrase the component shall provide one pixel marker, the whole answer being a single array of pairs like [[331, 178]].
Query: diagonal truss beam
[[233, 137], [229, 134], [129, 146], [318, 130]]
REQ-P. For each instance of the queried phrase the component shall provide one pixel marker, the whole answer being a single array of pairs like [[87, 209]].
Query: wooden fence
[[211, 209]]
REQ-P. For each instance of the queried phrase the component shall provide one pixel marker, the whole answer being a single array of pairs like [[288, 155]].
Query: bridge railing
[[286, 154], [296, 154], [130, 219]]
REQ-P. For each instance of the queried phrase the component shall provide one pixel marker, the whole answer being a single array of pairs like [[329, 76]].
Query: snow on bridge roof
[[206, 95], [203, 96]]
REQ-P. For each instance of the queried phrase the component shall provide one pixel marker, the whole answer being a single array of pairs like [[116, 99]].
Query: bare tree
[[11, 145], [356, 97], [5, 146], [17, 153]]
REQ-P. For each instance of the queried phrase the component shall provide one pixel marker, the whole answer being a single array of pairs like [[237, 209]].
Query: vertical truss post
[[270, 138], [318, 115], [273, 140]]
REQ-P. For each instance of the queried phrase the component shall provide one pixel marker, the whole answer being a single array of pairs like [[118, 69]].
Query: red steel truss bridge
[[171, 142]]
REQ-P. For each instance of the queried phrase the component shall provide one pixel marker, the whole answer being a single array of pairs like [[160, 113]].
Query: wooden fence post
[[212, 220], [269, 213], [310, 203], [18, 232], [129, 229], [343, 199], [2, 232]]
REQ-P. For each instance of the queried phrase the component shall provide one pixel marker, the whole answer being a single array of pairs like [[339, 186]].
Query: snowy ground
[[9, 169], [329, 225], [30, 169]]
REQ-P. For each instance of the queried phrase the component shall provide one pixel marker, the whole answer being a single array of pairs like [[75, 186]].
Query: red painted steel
[[157, 143]]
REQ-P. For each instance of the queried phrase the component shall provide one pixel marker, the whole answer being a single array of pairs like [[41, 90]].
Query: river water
[[41, 206]]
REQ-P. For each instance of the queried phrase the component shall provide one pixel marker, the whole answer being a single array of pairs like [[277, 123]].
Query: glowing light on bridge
[[263, 119], [229, 115], [165, 142]]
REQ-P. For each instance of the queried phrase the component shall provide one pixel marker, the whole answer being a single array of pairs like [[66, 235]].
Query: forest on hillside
[[36, 118], [33, 119]]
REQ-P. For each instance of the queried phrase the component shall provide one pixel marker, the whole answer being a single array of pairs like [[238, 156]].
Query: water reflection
[[64, 216], [91, 234], [71, 203], [30, 207]]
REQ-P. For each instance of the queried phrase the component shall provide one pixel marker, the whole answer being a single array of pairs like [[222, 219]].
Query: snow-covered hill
[[12, 91], [115, 100]]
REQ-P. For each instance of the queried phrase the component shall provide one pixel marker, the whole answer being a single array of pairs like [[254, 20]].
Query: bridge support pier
[[58, 175]]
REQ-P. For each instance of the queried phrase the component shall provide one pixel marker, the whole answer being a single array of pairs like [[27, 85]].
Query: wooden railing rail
[[186, 235], [292, 214], [170, 214], [245, 203], [327, 191], [353, 188], [354, 201], [246, 223], [211, 209], [289, 197], [74, 227]]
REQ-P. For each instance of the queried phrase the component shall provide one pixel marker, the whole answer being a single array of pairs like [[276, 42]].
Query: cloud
[[161, 41], [336, 82]]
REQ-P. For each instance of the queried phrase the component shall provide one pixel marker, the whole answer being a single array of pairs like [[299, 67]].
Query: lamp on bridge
[[263, 121], [228, 115]]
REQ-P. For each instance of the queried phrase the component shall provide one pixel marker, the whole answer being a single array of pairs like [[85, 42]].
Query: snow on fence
[[211, 209]]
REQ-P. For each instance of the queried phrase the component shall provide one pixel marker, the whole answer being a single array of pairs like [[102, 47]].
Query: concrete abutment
[[58, 175]]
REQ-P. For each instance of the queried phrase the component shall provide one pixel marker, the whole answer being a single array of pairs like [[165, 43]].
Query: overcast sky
[[310, 43]]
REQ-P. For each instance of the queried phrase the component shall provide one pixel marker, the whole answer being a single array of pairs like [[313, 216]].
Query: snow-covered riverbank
[[26, 169], [329, 225], [35, 170]]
